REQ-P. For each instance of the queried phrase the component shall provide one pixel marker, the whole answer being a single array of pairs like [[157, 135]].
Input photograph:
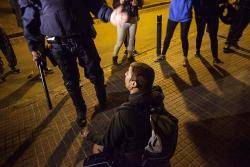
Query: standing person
[[131, 7], [180, 11], [240, 23], [66, 25], [203, 17], [116, 4], [8, 52]]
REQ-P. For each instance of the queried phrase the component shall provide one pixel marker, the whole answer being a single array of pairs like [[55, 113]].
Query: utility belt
[[63, 40]]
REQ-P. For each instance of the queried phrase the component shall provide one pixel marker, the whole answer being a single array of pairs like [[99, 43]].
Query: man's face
[[129, 84]]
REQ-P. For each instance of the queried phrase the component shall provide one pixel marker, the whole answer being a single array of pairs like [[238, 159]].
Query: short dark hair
[[143, 74]]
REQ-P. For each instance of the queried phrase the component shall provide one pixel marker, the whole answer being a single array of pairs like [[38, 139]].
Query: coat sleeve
[[113, 136], [31, 24], [100, 9]]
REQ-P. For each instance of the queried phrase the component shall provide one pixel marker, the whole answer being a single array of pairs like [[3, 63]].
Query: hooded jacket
[[130, 128]]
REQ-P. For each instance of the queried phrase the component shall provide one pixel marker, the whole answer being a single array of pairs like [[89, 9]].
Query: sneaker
[[185, 62], [217, 61], [125, 53], [131, 59], [197, 54], [235, 45], [227, 49], [160, 57], [135, 52], [114, 59]]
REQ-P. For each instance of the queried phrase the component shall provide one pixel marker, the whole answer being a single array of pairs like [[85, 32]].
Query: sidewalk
[[211, 102], [8, 20]]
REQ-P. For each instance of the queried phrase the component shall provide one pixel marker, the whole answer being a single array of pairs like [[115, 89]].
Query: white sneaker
[[160, 58], [185, 62]]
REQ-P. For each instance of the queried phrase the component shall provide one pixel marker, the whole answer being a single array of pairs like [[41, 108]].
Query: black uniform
[[207, 13], [7, 50], [241, 21], [67, 25]]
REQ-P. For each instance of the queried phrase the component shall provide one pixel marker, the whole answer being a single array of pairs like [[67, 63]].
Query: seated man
[[130, 128]]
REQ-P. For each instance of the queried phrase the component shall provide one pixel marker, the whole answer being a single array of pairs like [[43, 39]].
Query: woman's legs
[[184, 40], [121, 32], [169, 34], [184, 37], [131, 39]]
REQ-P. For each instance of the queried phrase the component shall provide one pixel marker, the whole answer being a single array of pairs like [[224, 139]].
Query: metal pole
[[159, 32]]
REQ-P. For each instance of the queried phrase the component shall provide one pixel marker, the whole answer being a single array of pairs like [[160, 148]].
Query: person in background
[[180, 11], [129, 28], [204, 17], [240, 23]]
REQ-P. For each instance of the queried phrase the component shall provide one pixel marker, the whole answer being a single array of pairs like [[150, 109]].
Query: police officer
[[240, 23], [8, 52], [66, 25], [207, 14]]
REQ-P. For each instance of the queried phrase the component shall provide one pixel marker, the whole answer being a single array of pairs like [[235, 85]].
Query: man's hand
[[97, 149], [35, 55], [118, 17]]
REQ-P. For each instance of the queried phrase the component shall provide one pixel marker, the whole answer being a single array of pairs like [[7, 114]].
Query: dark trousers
[[7, 49], [240, 23], [213, 26], [105, 159], [83, 50], [184, 36]]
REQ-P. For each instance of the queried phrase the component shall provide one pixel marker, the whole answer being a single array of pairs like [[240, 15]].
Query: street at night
[[211, 101]]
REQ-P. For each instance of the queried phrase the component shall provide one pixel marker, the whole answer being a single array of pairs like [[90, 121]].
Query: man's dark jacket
[[59, 18], [207, 8], [130, 127]]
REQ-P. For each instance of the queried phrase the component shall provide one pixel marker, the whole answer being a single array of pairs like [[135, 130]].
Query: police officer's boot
[[81, 119], [101, 96], [76, 96]]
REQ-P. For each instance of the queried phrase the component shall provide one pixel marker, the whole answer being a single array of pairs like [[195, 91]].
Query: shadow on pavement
[[225, 142], [36, 132], [117, 94], [244, 50], [243, 55], [61, 150], [19, 93], [221, 138]]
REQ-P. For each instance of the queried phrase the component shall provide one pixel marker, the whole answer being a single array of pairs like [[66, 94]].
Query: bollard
[[159, 32]]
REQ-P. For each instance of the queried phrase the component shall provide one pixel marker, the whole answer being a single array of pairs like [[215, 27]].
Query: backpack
[[163, 140]]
